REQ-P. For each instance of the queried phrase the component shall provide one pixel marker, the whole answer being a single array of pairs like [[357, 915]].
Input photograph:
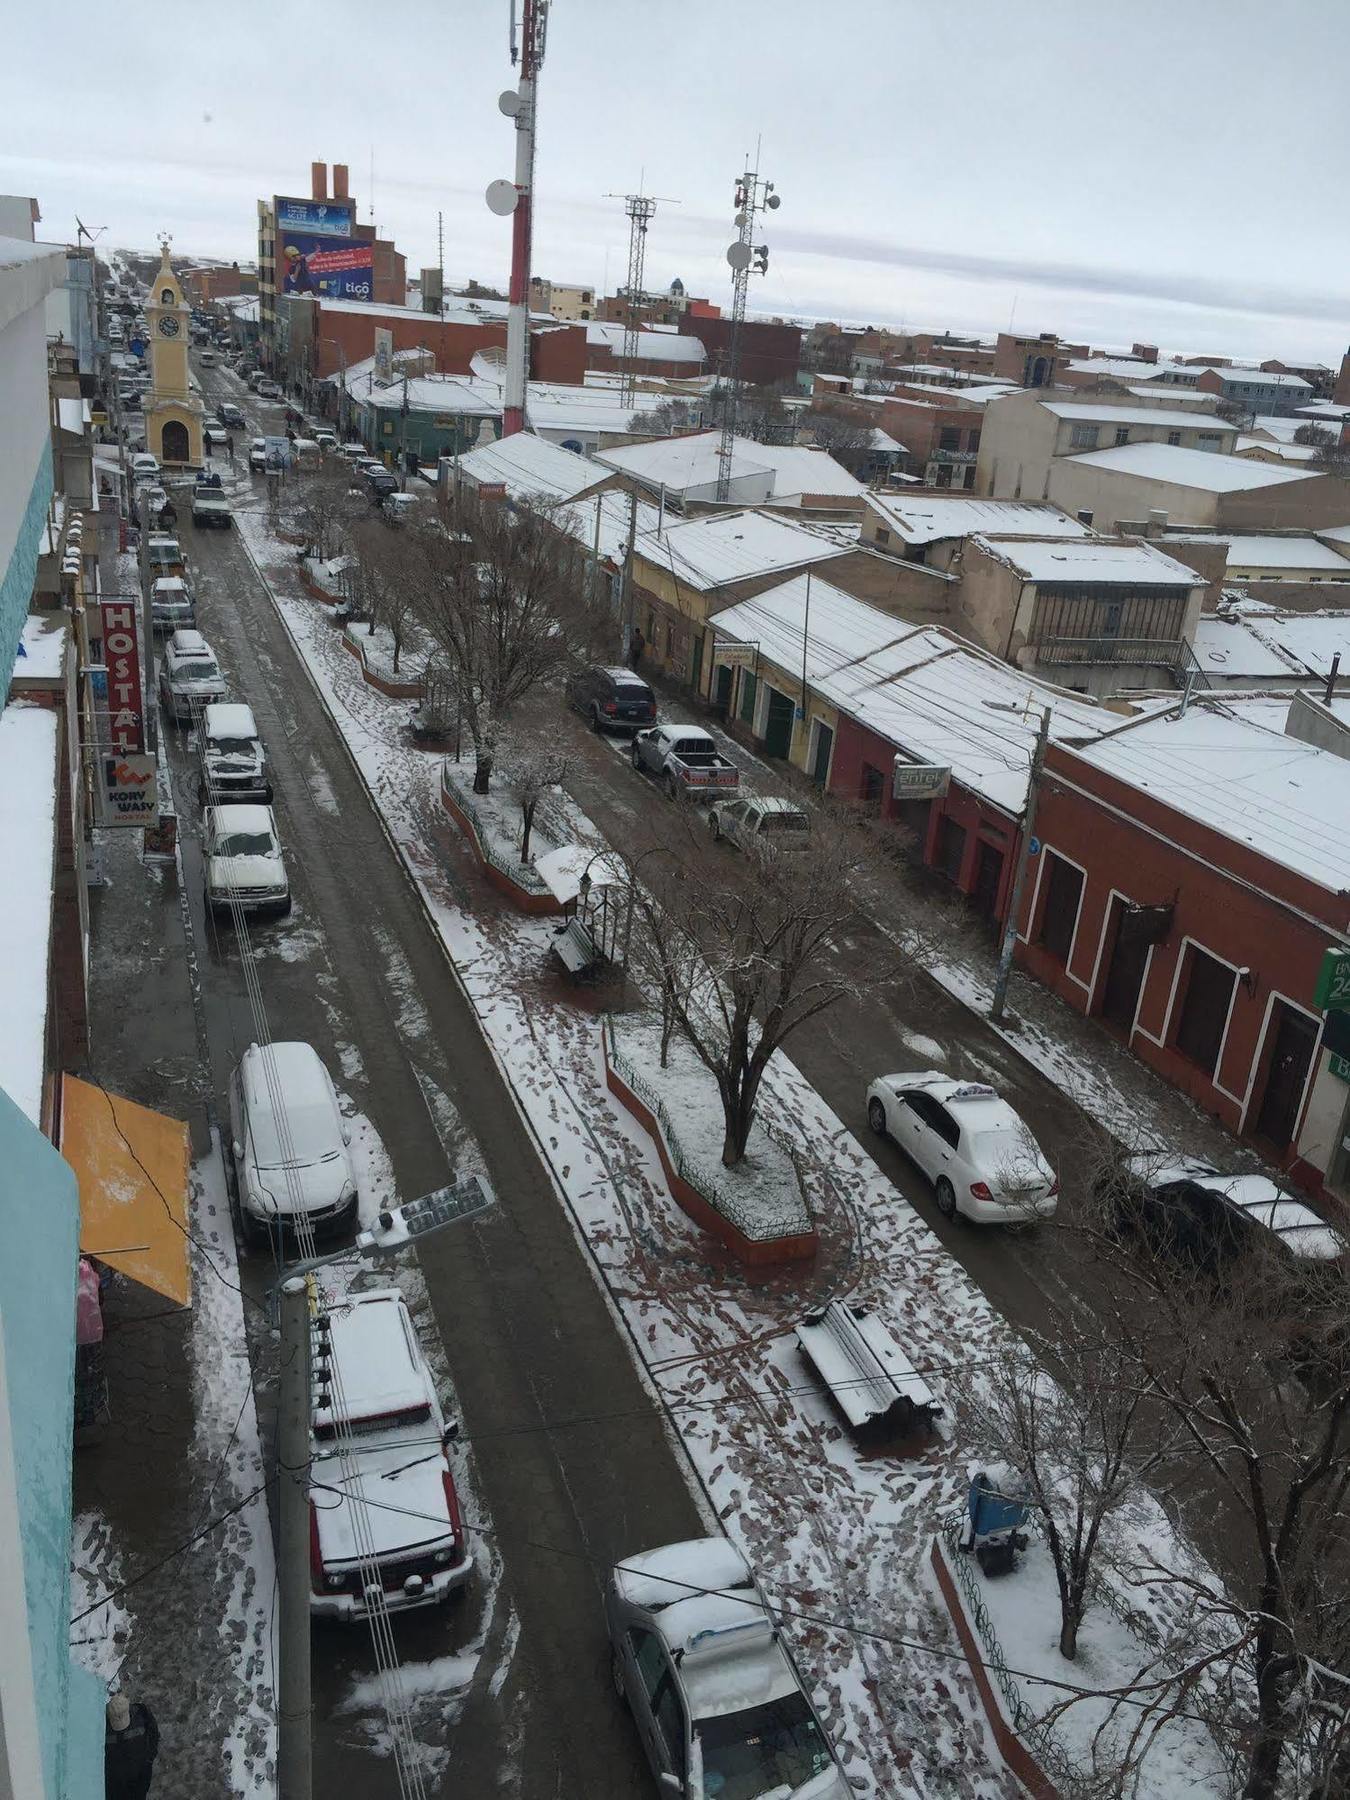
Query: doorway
[[1125, 971], [988, 878], [778, 724], [173, 443], [820, 760], [722, 689], [1293, 1038]]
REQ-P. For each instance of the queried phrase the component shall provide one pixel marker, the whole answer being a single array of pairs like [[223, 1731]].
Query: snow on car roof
[[1293, 1223], [230, 718], [242, 818], [656, 1578], [373, 1343]]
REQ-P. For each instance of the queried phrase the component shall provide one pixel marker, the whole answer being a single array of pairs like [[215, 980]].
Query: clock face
[[168, 327]]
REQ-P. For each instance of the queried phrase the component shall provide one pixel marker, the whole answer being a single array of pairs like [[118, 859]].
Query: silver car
[[700, 1660]]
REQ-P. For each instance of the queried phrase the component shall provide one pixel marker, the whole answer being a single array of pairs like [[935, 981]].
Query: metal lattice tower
[[753, 194], [641, 209]]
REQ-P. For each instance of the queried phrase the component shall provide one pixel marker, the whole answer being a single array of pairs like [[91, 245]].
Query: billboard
[[318, 218], [127, 792], [122, 658], [331, 267], [384, 354]]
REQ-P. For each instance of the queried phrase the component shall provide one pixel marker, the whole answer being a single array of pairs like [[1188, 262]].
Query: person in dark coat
[[229, 450], [636, 645], [130, 1746]]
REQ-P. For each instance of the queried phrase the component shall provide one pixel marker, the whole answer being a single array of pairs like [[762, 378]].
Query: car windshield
[[784, 821], [310, 1132], [202, 668], [244, 843], [233, 746], [763, 1750]]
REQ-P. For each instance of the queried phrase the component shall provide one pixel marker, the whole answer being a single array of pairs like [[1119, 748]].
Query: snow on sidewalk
[[839, 1538]]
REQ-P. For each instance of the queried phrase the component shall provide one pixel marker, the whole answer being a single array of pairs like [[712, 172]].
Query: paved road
[[526, 1329]]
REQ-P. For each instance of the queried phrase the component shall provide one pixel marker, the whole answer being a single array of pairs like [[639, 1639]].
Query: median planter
[[758, 1210], [375, 655], [493, 837]]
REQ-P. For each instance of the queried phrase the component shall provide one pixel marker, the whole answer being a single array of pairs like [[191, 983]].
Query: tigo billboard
[[333, 268], [317, 218]]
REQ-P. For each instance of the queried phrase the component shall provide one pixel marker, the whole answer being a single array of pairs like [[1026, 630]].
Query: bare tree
[[670, 418], [387, 566], [848, 440], [1234, 412], [1314, 434], [506, 610], [743, 948], [1332, 458], [536, 763], [322, 507]]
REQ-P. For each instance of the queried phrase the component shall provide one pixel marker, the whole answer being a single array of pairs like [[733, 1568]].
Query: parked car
[[326, 441], [153, 502], [210, 508], [144, 466], [233, 759], [399, 506], [244, 864], [164, 554], [354, 452], [703, 1665], [288, 1144], [612, 699], [189, 675], [397, 1502], [230, 416], [763, 822], [381, 483], [208, 359], [257, 453], [268, 390], [982, 1160], [1196, 1214], [686, 759], [256, 379], [171, 604]]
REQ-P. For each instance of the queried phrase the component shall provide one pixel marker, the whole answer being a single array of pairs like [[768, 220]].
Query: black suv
[[381, 483], [613, 699]]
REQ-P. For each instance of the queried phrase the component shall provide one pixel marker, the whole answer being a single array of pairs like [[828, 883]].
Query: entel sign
[[121, 655]]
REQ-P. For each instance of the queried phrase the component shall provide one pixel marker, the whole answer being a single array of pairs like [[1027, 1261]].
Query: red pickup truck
[[686, 759]]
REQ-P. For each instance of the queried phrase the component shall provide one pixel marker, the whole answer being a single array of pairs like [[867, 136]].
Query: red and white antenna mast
[[517, 199]]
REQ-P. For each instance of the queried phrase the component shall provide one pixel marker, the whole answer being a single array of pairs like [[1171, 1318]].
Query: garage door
[[778, 724]]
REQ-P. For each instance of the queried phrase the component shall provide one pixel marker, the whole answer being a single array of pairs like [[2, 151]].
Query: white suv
[[244, 864], [392, 1491], [702, 1663], [189, 675], [233, 759], [288, 1142], [981, 1159]]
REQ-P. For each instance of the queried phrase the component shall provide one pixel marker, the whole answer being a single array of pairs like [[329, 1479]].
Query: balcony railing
[[1152, 653]]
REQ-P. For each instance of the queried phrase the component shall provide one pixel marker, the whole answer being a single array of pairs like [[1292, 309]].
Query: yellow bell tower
[[173, 412]]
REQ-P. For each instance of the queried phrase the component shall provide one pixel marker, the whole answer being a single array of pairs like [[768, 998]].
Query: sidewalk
[[179, 1449]]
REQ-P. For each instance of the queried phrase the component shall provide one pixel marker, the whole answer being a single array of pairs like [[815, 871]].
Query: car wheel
[[616, 1676], [945, 1195], [635, 757], [876, 1117]]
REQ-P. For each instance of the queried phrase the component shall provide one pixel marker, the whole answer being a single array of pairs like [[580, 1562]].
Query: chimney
[[1157, 522], [340, 181], [318, 181]]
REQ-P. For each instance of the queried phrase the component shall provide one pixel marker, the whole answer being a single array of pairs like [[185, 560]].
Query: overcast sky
[[1171, 170]]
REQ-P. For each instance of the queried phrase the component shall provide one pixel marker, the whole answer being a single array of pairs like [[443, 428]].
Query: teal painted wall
[[40, 1209], [16, 584]]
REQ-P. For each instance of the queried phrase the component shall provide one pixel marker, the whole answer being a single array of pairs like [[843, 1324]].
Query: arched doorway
[[173, 443], [1038, 371]]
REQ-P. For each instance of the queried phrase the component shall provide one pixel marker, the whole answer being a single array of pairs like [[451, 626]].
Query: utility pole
[[517, 199], [1005, 953], [626, 578], [294, 1720], [752, 194], [403, 438]]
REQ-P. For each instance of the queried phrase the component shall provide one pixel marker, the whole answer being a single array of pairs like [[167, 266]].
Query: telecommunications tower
[[516, 198], [640, 209], [746, 257]]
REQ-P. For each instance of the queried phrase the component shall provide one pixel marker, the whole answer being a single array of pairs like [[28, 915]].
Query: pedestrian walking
[[206, 442], [229, 449], [130, 1746], [168, 517], [636, 645]]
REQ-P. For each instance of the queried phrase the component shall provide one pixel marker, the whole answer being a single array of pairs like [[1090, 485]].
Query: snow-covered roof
[[42, 647], [1095, 560], [1285, 452], [1265, 645], [1234, 771], [1178, 417], [935, 697], [531, 466], [928, 518], [1207, 470], [652, 346], [579, 519], [28, 737], [681, 463], [1251, 551], [710, 551], [1183, 399], [1263, 378]]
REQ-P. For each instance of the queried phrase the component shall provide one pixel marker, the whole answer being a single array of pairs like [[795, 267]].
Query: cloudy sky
[[1171, 170]]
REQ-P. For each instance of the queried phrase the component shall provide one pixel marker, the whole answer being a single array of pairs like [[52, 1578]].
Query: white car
[[288, 1142], [702, 1663], [982, 1161], [189, 675], [234, 762], [144, 467], [244, 864], [761, 822], [257, 454], [392, 1493]]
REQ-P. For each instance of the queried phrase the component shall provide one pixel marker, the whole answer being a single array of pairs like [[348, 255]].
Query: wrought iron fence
[[1150, 653], [524, 875], [792, 1219]]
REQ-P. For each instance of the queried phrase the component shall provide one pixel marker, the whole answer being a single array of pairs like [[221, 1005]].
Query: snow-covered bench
[[869, 1376], [575, 948]]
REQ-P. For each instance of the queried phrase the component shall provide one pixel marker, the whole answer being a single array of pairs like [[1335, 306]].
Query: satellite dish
[[773, 201], [502, 198], [508, 102], [738, 255], [739, 221]]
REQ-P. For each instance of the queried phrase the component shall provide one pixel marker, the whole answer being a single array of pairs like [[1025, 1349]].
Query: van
[[189, 675], [233, 759], [288, 1144]]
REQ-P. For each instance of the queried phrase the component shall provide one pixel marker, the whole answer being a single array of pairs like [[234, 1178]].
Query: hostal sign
[[122, 657]]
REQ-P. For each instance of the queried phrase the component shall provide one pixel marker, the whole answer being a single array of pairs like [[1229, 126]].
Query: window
[[883, 536], [669, 1711], [1122, 434], [972, 440], [949, 438], [1083, 437], [1208, 440], [872, 786], [1063, 888], [1204, 1011], [1174, 437]]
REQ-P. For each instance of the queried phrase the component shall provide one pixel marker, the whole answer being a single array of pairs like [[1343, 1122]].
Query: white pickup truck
[[686, 759], [210, 507]]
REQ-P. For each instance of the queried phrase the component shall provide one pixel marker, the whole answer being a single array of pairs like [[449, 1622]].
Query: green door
[[778, 724], [722, 694], [749, 683], [820, 765]]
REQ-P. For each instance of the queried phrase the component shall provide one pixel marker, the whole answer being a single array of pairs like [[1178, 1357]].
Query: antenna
[[440, 255], [745, 257], [515, 200], [640, 209], [372, 184]]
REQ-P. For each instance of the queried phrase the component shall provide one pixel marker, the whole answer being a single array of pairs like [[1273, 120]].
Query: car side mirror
[[450, 1433], [346, 1135]]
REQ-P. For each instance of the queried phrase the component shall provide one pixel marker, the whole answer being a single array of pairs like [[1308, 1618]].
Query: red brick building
[[769, 353], [1194, 870], [328, 335]]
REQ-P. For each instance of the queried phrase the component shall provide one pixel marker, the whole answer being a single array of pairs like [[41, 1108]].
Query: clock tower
[[173, 412]]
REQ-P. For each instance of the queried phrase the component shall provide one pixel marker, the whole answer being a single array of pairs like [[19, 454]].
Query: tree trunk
[[527, 816], [397, 647], [482, 771], [1272, 1728], [1070, 1618]]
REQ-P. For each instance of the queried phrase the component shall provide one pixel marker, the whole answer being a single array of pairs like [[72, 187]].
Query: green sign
[[1340, 1067], [1332, 992]]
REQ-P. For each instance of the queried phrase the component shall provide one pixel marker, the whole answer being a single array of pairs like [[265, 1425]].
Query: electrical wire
[[187, 1543]]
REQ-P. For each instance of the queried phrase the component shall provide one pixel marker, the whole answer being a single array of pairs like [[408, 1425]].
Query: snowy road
[[527, 1333]]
